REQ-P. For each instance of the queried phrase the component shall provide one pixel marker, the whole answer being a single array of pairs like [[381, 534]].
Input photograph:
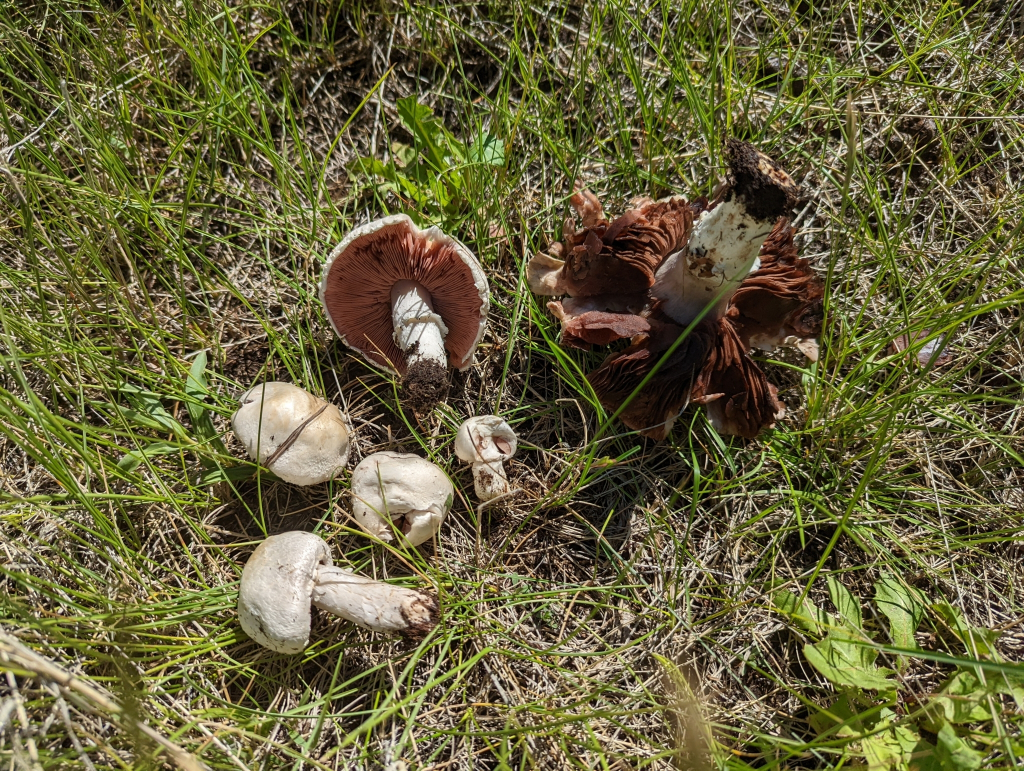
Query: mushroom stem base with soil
[[420, 332], [373, 605]]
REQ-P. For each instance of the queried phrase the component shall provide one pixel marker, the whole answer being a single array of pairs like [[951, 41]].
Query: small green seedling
[[437, 177]]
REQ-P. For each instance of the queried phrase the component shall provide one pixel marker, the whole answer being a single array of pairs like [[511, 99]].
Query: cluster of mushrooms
[[693, 286]]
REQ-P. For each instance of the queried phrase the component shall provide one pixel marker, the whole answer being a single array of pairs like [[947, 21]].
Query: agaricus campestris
[[410, 301], [662, 265], [298, 436], [486, 441], [289, 572], [399, 491]]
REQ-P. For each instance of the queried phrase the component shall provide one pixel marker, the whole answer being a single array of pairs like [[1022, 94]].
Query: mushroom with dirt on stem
[[486, 442], [394, 491], [300, 437], [291, 571], [727, 271], [410, 301]]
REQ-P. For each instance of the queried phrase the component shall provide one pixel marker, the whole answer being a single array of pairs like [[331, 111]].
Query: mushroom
[[730, 263], [725, 239], [290, 571], [393, 490], [410, 301], [486, 441], [298, 436]]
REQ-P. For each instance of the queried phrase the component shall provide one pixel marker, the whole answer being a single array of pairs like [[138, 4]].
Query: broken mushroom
[[410, 301], [398, 491], [289, 572], [486, 442], [728, 267], [298, 436]]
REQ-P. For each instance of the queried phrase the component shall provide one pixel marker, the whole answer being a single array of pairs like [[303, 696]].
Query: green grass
[[171, 180]]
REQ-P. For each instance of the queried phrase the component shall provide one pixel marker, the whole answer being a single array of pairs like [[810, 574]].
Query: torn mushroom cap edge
[[435, 233]]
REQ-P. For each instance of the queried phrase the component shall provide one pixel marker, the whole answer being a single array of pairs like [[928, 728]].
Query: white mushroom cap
[[487, 441], [277, 583], [275, 414], [397, 486]]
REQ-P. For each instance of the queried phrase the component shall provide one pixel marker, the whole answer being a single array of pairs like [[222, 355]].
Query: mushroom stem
[[373, 605], [721, 251], [419, 331], [724, 243], [489, 479]]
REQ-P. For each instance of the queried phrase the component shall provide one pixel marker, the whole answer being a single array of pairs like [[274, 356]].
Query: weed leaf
[[489, 150], [962, 699], [848, 664], [953, 753], [979, 642], [805, 615], [847, 605], [227, 474], [131, 460], [425, 128], [903, 606]]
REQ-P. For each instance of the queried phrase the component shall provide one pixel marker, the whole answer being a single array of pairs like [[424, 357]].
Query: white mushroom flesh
[[721, 252], [392, 490], [419, 330], [486, 442], [298, 436]]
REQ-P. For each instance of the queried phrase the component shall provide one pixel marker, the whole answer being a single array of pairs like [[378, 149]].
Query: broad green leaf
[[842, 718], [953, 753], [903, 606], [1010, 684], [197, 390], [962, 699], [403, 154], [806, 615], [847, 605], [891, 749], [924, 757], [131, 460], [847, 664], [489, 150], [980, 642]]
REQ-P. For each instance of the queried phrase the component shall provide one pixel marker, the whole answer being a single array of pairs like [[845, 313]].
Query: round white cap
[[273, 412], [485, 439], [395, 486], [277, 584]]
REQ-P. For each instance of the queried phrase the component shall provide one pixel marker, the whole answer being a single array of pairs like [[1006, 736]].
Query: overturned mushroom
[[288, 572], [410, 301], [486, 442], [393, 490], [729, 268], [298, 436]]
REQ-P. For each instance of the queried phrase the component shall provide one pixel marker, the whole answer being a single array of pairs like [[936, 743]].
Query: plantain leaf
[[902, 606]]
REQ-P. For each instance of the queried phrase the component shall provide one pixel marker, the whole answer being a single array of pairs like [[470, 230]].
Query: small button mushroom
[[288, 572], [393, 489], [298, 436], [486, 441]]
